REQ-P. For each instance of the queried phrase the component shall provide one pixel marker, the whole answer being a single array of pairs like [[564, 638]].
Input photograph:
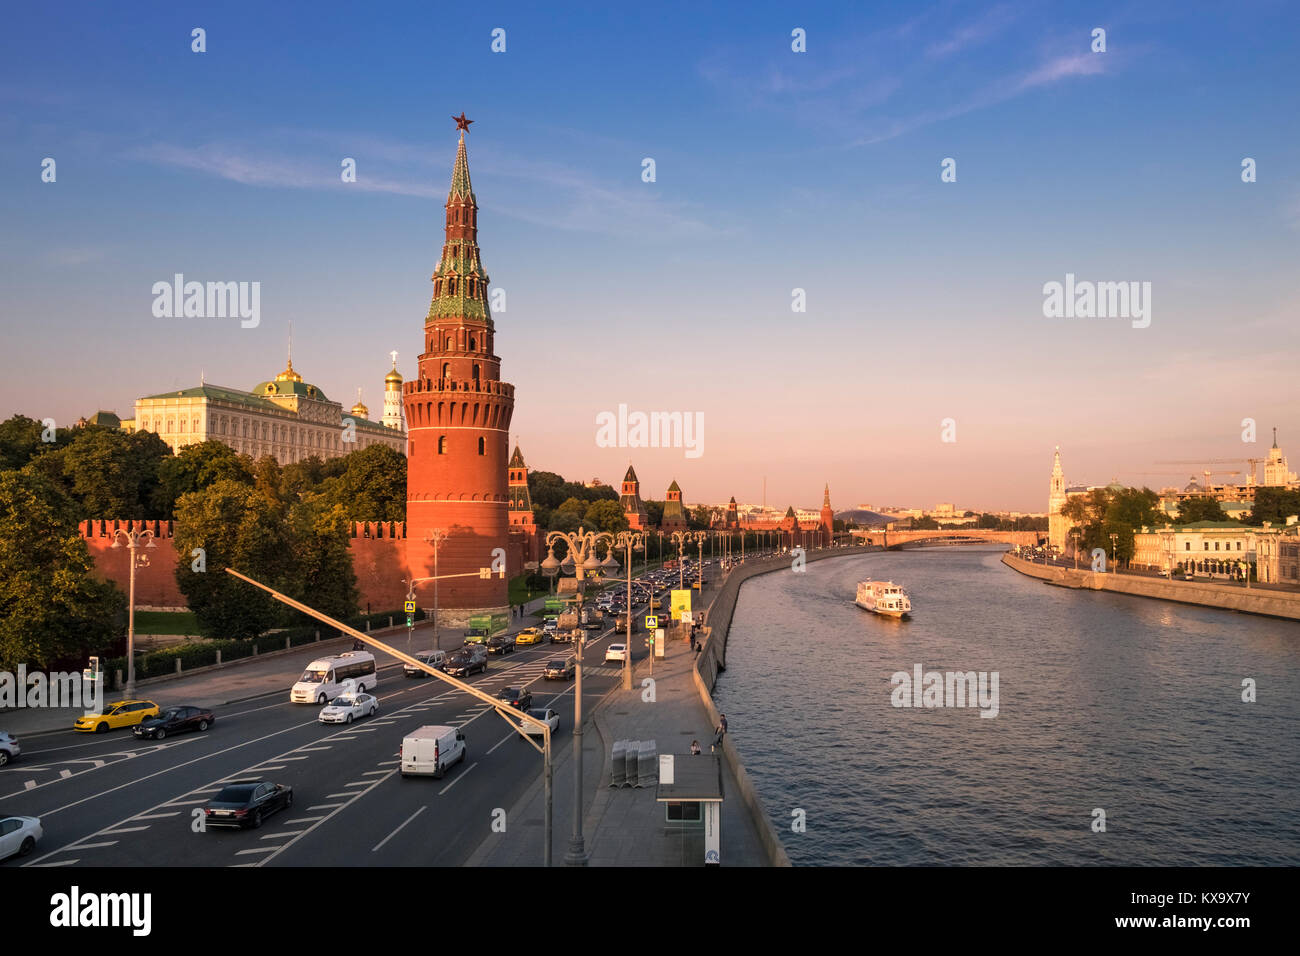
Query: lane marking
[[84, 846], [60, 863], [303, 820], [156, 816], [276, 836], [355, 797], [123, 830], [377, 846], [259, 849], [503, 740], [459, 777], [325, 806]]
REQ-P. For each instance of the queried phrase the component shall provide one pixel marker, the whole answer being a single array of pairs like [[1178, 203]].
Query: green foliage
[[1274, 505], [51, 606], [605, 515], [320, 571], [236, 527], [654, 512], [1200, 508], [1102, 513], [198, 466], [371, 487], [112, 474], [20, 441]]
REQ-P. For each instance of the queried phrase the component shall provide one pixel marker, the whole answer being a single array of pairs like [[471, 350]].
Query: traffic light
[[410, 620]]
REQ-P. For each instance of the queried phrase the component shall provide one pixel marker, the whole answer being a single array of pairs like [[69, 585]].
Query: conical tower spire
[[459, 282]]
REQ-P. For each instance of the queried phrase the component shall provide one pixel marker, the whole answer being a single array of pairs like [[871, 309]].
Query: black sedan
[[244, 803], [559, 669], [501, 644], [175, 720], [516, 697]]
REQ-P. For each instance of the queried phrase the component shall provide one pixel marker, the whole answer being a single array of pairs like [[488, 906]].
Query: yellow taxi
[[120, 713], [529, 635]]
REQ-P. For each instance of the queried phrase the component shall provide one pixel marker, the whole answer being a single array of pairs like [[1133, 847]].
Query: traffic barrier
[[633, 758], [648, 765], [618, 764]]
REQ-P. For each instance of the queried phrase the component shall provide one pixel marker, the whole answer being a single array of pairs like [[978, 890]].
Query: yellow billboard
[[681, 603]]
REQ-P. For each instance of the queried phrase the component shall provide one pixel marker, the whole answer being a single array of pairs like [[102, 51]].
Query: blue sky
[[775, 170]]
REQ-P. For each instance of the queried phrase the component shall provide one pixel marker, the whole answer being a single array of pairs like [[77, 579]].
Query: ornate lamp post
[[133, 539], [580, 559], [629, 541]]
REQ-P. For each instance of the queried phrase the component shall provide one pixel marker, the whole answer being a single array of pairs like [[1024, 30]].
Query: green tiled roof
[[216, 392], [288, 387]]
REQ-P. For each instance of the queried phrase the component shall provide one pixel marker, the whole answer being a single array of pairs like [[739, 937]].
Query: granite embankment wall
[[713, 659], [1226, 597]]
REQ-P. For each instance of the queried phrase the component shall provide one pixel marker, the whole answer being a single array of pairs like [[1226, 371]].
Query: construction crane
[[1250, 475]]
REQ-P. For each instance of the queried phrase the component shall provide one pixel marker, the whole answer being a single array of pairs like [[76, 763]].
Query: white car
[[616, 652], [347, 707], [551, 717], [19, 835]]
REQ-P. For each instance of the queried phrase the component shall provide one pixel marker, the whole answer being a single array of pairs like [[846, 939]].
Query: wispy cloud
[[572, 200], [989, 24]]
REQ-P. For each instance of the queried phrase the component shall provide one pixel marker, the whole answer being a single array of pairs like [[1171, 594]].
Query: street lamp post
[[1113, 545], [1075, 536], [133, 539], [582, 557], [630, 541], [435, 537]]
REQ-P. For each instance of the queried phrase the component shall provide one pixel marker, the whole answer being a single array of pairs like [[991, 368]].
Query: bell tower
[[458, 419]]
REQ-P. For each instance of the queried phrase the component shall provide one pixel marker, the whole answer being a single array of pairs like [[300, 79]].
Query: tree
[[112, 474], [654, 511], [51, 605], [320, 572], [373, 486], [698, 518], [20, 441], [1200, 508], [236, 526], [268, 479], [605, 515], [925, 523], [1274, 505], [196, 467]]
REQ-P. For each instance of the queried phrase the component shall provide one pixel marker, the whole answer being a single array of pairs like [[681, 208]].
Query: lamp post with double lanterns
[[629, 541], [133, 539], [581, 558]]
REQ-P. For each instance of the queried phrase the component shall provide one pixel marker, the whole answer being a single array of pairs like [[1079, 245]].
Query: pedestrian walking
[[722, 722], [718, 733], [695, 748]]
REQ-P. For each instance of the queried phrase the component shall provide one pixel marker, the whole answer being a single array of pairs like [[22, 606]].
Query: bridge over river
[[918, 539]]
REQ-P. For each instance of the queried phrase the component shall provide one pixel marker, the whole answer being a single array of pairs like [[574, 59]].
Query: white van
[[435, 659], [431, 750], [322, 681]]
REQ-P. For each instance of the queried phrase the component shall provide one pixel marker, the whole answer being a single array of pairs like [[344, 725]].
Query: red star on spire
[[462, 122]]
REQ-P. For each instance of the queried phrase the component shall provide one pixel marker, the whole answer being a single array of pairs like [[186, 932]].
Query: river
[[1105, 702]]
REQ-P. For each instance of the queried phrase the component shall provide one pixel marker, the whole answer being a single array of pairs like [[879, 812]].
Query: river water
[[1105, 702]]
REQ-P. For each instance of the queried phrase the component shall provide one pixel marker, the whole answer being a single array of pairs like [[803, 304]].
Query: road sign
[[651, 622], [410, 607]]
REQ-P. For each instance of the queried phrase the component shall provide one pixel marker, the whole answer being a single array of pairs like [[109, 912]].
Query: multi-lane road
[[115, 800]]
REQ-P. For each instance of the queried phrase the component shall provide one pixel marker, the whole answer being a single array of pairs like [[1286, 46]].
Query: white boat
[[883, 597]]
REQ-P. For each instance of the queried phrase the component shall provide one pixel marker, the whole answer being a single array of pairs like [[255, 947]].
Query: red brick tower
[[828, 518], [458, 418], [630, 499], [523, 524], [733, 515], [674, 515]]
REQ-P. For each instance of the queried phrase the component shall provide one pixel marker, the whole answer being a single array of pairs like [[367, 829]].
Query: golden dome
[[289, 375], [360, 411], [393, 378]]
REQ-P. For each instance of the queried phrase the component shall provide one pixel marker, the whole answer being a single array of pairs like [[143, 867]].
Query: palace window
[[472, 343], [442, 444], [476, 372], [451, 286], [446, 366], [482, 446]]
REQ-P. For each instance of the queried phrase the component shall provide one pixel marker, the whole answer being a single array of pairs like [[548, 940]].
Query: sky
[[774, 171]]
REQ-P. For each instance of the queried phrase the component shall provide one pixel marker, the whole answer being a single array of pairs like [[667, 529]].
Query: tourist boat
[[883, 597]]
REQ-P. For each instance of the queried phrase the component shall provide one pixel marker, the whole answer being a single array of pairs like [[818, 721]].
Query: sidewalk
[[626, 827]]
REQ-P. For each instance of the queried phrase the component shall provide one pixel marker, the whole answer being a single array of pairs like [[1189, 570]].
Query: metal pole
[[130, 621], [627, 657], [549, 800], [577, 855]]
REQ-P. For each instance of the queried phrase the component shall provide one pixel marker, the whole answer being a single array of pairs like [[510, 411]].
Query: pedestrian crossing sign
[[410, 607], [651, 622]]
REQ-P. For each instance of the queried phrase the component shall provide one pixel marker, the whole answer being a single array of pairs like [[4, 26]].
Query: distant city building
[[1222, 549], [523, 524], [286, 418]]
